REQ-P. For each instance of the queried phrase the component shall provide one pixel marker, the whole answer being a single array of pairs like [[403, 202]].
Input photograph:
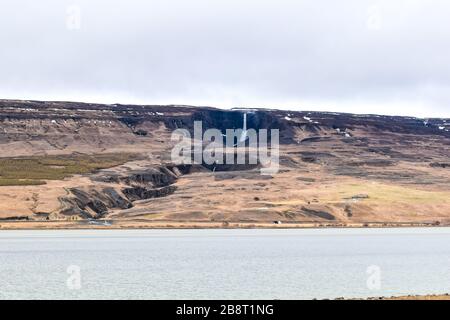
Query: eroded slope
[[335, 168]]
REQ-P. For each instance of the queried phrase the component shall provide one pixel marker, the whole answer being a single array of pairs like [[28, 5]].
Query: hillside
[[73, 162]]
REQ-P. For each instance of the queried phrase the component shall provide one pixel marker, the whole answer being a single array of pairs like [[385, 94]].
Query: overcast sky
[[386, 57]]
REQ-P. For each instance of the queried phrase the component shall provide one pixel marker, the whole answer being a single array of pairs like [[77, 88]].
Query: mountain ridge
[[335, 168]]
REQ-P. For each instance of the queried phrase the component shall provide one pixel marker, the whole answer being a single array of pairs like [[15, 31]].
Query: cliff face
[[334, 167], [66, 126]]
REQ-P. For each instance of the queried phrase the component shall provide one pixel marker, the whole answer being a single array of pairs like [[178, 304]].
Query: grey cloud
[[353, 56]]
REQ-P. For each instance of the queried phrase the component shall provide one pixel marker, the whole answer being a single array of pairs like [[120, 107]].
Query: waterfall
[[244, 129]]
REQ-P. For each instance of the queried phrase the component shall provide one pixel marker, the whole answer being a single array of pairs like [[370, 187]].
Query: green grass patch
[[35, 170], [17, 182]]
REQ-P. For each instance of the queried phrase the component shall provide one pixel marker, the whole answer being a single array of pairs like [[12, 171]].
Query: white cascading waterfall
[[244, 129]]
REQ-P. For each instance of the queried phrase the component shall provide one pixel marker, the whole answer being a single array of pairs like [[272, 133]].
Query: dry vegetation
[[35, 170]]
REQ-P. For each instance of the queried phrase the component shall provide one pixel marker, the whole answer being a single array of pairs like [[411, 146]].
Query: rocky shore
[[143, 224]]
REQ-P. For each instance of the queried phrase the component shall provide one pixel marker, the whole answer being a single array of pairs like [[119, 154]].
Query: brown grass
[[35, 170]]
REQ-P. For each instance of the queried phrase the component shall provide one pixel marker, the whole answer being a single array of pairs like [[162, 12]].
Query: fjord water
[[224, 264]]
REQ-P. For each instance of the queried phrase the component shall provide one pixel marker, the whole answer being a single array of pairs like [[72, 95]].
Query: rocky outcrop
[[318, 213], [95, 203], [440, 165], [142, 193], [156, 177]]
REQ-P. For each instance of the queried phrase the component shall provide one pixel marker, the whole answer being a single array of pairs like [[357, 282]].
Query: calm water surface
[[224, 264]]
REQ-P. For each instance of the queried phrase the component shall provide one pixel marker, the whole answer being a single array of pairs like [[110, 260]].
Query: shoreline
[[445, 296], [168, 224]]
